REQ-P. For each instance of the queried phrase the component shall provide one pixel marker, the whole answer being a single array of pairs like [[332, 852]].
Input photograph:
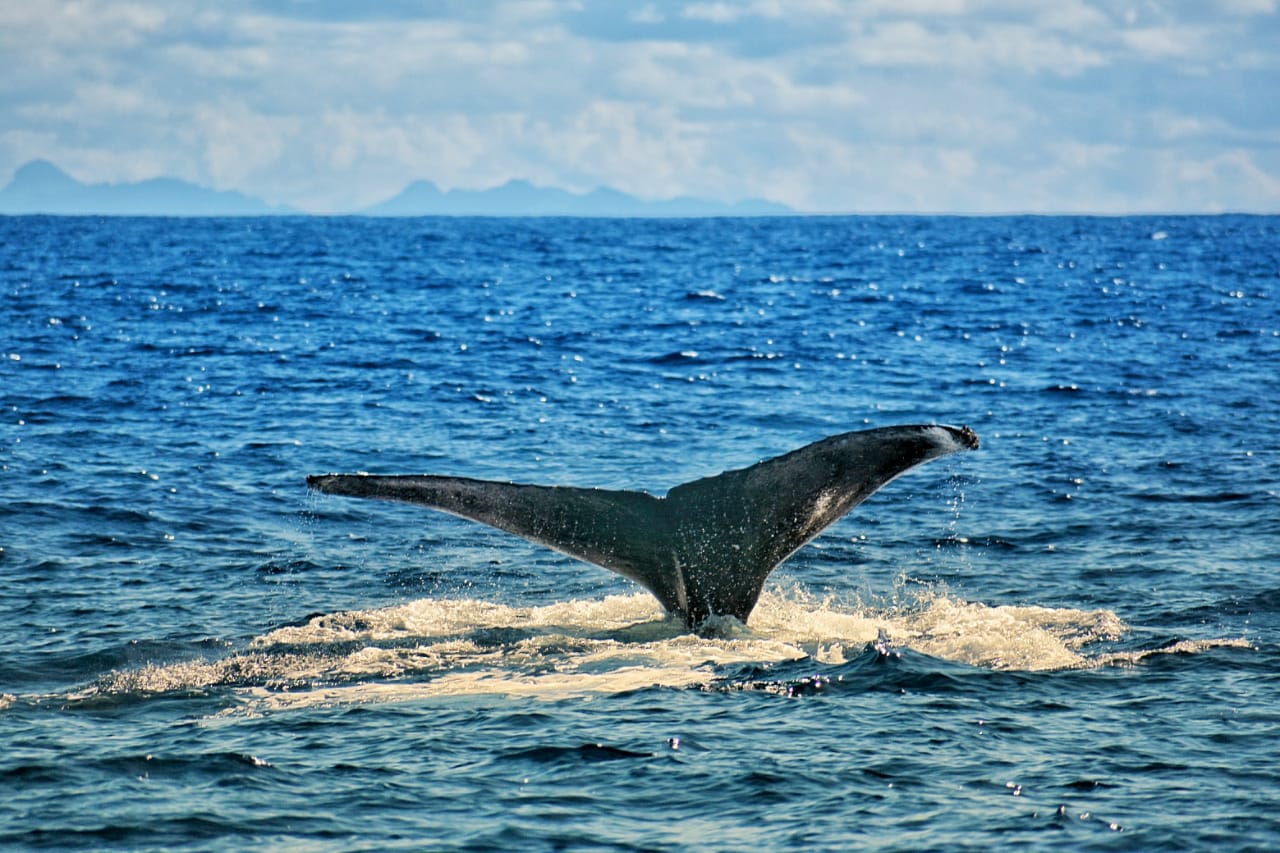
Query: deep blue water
[[1067, 640]]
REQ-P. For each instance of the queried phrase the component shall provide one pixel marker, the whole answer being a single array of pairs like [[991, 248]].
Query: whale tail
[[706, 548]]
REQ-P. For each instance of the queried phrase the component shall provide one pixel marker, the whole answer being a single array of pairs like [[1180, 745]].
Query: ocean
[[1068, 639]]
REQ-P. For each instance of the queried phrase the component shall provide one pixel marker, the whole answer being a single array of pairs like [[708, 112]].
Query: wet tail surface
[[706, 549]]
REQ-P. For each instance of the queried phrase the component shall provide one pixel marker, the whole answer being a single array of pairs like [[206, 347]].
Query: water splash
[[443, 647]]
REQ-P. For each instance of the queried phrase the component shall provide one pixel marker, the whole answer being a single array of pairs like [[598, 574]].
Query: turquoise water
[[1068, 639]]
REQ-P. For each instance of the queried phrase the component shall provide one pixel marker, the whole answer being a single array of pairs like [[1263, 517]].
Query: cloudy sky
[[825, 105]]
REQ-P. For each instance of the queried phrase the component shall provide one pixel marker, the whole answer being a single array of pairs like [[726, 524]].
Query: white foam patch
[[431, 618], [1008, 636], [451, 647], [1182, 647]]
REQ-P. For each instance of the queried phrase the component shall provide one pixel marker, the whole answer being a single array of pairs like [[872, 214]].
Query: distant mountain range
[[521, 198], [41, 187]]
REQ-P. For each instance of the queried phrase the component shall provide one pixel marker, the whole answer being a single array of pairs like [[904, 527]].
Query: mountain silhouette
[[521, 198], [41, 187]]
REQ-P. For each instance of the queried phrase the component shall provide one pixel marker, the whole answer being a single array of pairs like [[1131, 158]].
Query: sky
[[927, 106]]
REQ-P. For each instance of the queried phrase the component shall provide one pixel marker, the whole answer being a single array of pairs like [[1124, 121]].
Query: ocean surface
[[1067, 640]]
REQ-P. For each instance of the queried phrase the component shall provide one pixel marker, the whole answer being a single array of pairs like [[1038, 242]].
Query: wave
[[467, 647]]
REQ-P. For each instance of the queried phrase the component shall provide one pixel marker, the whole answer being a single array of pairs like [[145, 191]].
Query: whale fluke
[[707, 547]]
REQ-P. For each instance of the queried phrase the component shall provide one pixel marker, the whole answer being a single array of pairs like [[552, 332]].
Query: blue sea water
[[1069, 639]]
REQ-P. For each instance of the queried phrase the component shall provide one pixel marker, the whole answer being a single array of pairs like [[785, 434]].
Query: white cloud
[[1249, 7], [648, 14], [657, 150], [1074, 16], [717, 13], [927, 9], [908, 43], [1162, 42], [1222, 170], [236, 143], [1171, 127], [827, 104], [122, 25], [91, 101]]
